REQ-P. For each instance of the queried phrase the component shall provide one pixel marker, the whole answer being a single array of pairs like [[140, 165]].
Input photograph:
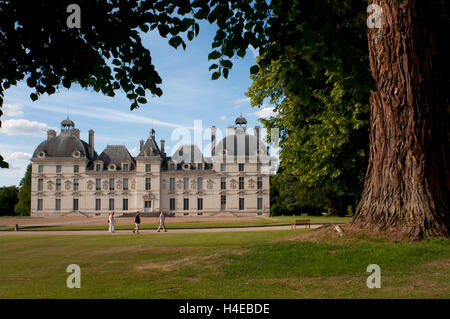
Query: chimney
[[258, 137], [91, 138], [141, 145], [230, 130], [213, 141], [162, 146], [51, 134]]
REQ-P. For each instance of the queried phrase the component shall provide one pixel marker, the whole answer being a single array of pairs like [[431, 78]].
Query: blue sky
[[189, 95]]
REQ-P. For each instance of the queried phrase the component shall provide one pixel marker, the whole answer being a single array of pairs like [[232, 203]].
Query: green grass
[[279, 220], [263, 264]]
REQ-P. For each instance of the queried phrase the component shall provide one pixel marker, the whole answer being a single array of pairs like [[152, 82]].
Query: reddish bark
[[407, 181]]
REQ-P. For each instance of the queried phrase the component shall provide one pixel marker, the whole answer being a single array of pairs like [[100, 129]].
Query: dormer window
[[76, 154], [125, 167], [112, 167], [98, 167], [199, 166], [180, 152], [172, 167], [186, 166], [41, 155]]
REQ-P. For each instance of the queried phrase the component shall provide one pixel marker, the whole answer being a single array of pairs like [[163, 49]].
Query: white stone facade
[[69, 178]]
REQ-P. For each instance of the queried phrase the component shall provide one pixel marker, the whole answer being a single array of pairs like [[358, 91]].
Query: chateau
[[69, 177]]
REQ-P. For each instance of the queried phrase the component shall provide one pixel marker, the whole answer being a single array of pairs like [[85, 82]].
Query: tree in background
[[8, 198], [23, 207]]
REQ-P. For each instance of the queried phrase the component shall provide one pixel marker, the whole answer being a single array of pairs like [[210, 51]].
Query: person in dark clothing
[[137, 221]]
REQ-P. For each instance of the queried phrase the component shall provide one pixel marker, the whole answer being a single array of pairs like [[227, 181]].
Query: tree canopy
[[23, 206]]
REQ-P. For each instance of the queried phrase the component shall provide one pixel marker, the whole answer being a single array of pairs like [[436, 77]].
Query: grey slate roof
[[241, 144], [188, 154], [150, 144], [64, 145], [116, 154]]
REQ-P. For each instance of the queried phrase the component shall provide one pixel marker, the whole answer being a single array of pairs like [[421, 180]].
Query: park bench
[[306, 222]]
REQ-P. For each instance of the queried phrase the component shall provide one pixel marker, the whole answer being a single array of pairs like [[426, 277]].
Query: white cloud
[[23, 127], [109, 114], [134, 151], [254, 51], [19, 156], [265, 112], [13, 110], [223, 118], [239, 102]]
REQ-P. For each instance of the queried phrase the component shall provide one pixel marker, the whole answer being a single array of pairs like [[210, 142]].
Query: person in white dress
[[112, 222], [161, 221]]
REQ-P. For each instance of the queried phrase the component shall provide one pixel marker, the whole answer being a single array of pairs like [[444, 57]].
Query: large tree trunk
[[407, 182]]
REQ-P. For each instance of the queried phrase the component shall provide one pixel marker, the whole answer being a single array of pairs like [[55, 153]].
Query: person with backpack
[[137, 222]]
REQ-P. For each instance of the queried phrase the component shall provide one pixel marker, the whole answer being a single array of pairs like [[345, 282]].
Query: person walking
[[161, 221], [137, 222], [112, 222]]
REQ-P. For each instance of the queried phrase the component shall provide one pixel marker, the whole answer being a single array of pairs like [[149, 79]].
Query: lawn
[[263, 264], [275, 221]]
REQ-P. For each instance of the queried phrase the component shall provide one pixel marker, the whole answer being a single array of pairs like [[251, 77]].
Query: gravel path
[[148, 231]]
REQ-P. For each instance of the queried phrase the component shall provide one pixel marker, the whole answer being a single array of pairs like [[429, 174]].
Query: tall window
[[241, 167], [125, 204], [40, 184], [40, 168], [222, 167], [76, 168], [186, 183], [172, 203], [125, 167], [111, 184], [148, 167], [200, 203], [241, 183], [241, 203], [98, 204], [186, 203], [58, 184], [75, 184], [148, 183], [111, 204], [200, 183], [58, 204], [125, 184], [258, 167], [148, 204], [98, 184], [223, 183], [98, 167], [58, 168], [172, 184], [39, 204], [75, 204], [259, 183], [199, 166], [260, 203], [223, 202]]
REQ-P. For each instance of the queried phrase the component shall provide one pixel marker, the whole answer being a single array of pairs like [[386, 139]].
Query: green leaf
[[214, 55], [142, 100], [226, 63], [190, 35], [215, 75], [33, 96], [225, 73], [213, 66], [254, 69]]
